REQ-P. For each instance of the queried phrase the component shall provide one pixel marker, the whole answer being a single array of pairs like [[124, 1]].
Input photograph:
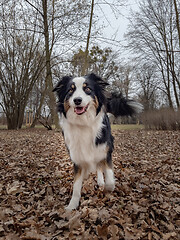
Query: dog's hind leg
[[78, 180], [106, 168]]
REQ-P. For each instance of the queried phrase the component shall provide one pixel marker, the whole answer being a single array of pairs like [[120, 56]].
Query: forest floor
[[36, 178]]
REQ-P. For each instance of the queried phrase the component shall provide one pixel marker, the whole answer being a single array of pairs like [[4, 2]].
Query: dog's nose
[[78, 100]]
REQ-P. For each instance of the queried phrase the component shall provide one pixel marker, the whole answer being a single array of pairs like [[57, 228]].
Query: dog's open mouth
[[80, 110]]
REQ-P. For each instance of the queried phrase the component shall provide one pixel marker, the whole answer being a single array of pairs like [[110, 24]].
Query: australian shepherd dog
[[83, 106]]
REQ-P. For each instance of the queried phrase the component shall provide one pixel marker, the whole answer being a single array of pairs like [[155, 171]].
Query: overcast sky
[[117, 25]]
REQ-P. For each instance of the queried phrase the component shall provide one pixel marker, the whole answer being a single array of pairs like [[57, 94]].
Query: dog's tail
[[120, 106]]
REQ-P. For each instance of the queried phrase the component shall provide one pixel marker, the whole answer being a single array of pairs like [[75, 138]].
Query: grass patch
[[3, 127], [39, 126], [162, 119], [127, 126]]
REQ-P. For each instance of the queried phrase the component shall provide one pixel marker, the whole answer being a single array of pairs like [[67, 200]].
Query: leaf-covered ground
[[36, 178]]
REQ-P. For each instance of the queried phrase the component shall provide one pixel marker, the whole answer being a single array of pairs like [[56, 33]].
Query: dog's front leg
[[100, 177], [109, 174], [78, 180]]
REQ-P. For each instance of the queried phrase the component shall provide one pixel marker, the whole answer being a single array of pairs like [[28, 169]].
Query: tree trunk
[[177, 20], [52, 99], [15, 119], [38, 111], [20, 117], [85, 66]]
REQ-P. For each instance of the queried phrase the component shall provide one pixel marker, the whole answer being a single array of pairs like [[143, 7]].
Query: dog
[[83, 107]]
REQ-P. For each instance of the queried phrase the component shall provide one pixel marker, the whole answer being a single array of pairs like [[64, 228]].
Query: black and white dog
[[83, 109]]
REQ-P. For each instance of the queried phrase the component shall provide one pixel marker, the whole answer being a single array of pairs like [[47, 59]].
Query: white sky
[[117, 25]]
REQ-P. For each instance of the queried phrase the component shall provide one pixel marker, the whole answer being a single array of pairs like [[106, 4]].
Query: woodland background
[[41, 41]]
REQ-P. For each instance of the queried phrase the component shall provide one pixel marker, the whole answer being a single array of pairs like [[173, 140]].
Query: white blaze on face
[[84, 113], [79, 93]]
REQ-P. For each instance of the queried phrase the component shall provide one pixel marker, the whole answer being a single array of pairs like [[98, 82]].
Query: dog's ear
[[98, 80], [99, 88], [61, 89], [62, 83]]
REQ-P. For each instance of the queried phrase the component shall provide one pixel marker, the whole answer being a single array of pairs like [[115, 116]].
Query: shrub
[[163, 119]]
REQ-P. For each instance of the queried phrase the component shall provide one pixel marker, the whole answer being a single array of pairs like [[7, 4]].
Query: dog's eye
[[70, 91], [88, 90]]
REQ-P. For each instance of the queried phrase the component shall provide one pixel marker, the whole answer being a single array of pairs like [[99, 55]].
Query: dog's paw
[[72, 205], [100, 182], [109, 187], [69, 208], [100, 178]]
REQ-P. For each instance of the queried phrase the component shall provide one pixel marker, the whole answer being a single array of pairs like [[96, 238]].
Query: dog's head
[[80, 95]]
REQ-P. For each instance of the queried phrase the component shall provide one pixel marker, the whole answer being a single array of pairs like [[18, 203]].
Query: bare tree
[[21, 62], [122, 79], [147, 85], [177, 19], [153, 37], [57, 21], [102, 61], [84, 69], [115, 6], [49, 83], [106, 63]]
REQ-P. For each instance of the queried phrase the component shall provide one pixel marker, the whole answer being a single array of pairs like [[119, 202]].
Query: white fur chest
[[80, 141]]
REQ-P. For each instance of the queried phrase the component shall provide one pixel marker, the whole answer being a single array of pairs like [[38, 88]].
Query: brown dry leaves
[[36, 179]]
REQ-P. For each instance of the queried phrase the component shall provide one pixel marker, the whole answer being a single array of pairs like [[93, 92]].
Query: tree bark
[[38, 111], [177, 20], [52, 100], [85, 66]]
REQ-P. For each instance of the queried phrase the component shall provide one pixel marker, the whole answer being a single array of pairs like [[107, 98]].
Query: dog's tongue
[[80, 110]]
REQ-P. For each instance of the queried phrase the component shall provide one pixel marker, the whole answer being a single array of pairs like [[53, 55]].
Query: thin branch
[[35, 8], [161, 50], [21, 29], [88, 38], [53, 35]]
